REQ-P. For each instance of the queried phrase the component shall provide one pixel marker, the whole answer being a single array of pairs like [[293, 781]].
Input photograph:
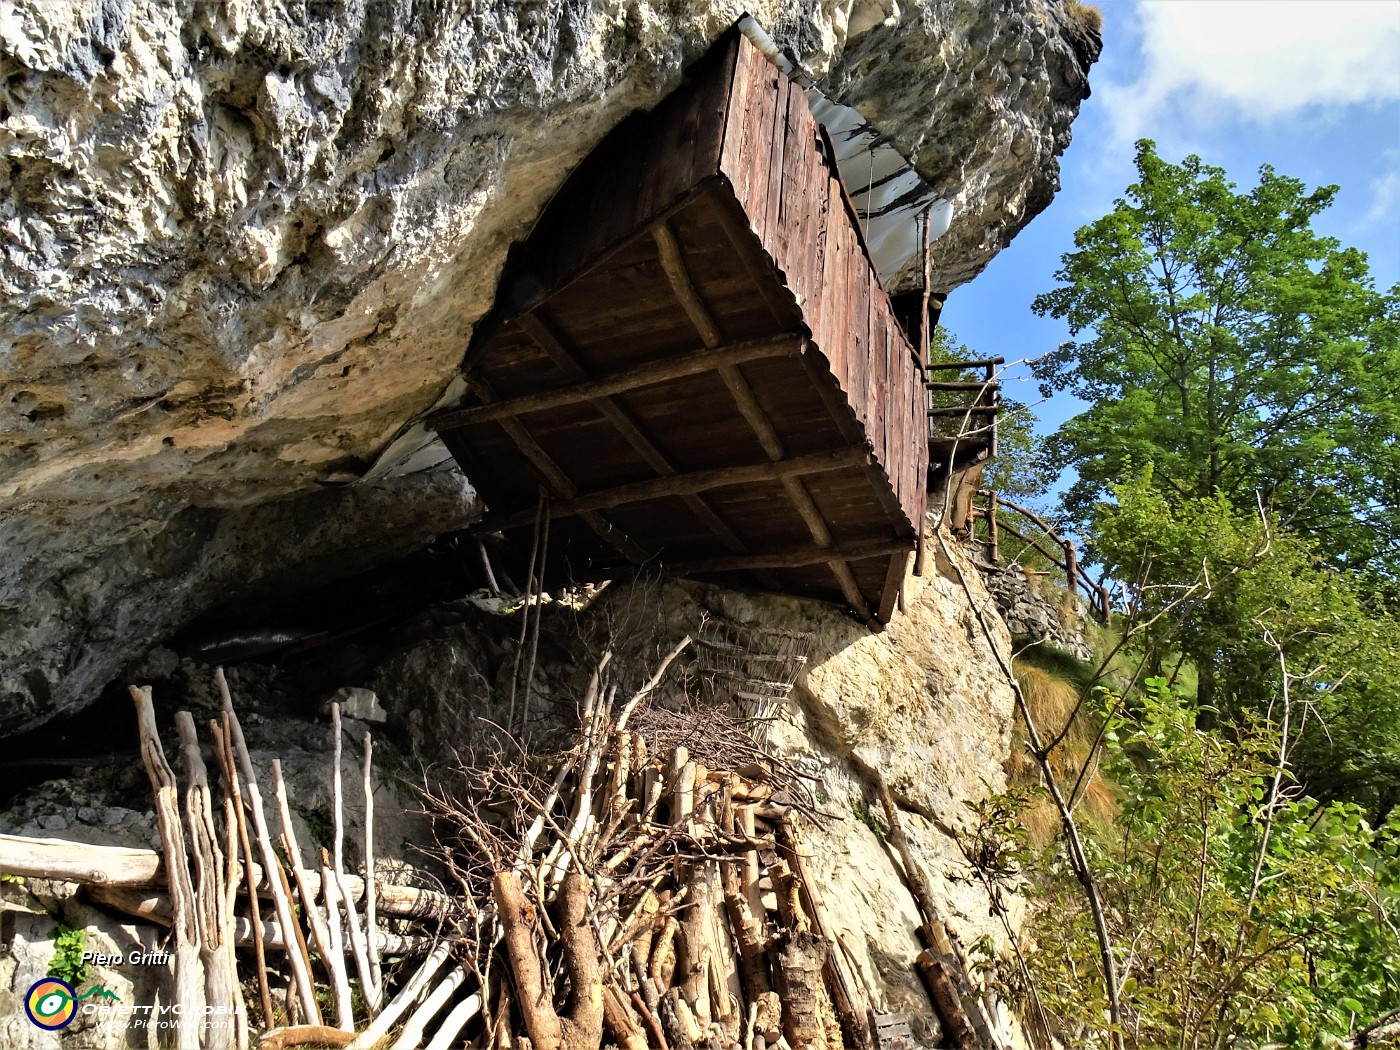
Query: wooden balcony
[[691, 362]]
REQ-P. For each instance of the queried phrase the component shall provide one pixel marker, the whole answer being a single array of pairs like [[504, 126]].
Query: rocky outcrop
[[922, 706], [242, 245], [999, 86], [1037, 611]]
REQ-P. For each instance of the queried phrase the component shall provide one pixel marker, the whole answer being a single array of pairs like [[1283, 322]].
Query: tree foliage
[[1224, 341], [1241, 917], [1263, 588]]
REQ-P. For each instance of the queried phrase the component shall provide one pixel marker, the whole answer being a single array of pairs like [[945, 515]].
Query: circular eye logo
[[51, 1003]]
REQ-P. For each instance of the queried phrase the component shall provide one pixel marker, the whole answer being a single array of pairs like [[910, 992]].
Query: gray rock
[[359, 703], [242, 245], [53, 822]]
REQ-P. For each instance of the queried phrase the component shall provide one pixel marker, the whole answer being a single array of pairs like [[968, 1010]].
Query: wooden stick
[[240, 1007], [649, 1019], [645, 691], [621, 1021], [536, 1000], [90, 865], [942, 984], [306, 989], [78, 862], [454, 1022], [332, 957], [358, 947], [371, 917], [408, 995], [298, 946], [189, 968], [303, 1035], [335, 924], [491, 583], [154, 907], [412, 1034], [223, 736], [210, 891], [661, 974]]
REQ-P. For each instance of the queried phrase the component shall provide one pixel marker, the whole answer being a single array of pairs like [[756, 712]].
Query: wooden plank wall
[[643, 169], [783, 177]]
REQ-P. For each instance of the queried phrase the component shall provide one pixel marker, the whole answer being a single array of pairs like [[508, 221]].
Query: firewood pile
[[640, 892], [644, 888]]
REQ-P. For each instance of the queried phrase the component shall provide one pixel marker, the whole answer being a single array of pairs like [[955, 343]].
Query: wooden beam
[[556, 479], [798, 558], [981, 384], [840, 411], [687, 484], [987, 362], [894, 584], [673, 265], [669, 252], [649, 374], [559, 481], [552, 343], [751, 256], [966, 410], [752, 411]]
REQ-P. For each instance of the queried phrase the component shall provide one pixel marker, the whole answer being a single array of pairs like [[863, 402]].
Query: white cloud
[[1385, 194], [1203, 60]]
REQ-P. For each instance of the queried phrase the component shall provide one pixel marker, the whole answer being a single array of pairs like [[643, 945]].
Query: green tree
[[1262, 590], [1242, 914], [1223, 340]]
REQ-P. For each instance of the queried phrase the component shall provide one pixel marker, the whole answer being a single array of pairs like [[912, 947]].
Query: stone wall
[[1037, 610]]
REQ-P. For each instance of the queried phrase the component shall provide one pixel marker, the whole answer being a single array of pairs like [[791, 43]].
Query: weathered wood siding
[[784, 176]]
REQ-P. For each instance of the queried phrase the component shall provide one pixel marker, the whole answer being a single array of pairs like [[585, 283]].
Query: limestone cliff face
[[922, 706], [243, 244]]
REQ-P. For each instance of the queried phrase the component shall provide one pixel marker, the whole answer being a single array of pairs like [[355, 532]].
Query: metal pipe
[[758, 36]]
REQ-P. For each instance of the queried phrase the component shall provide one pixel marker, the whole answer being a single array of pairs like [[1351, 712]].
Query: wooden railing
[[1075, 575], [981, 412]]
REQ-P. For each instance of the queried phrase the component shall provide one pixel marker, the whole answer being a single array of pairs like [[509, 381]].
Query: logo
[[52, 1004]]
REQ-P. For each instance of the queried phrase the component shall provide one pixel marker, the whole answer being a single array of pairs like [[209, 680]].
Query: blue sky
[[1312, 88]]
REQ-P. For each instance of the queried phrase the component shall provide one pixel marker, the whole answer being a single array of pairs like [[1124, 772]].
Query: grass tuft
[[1085, 16]]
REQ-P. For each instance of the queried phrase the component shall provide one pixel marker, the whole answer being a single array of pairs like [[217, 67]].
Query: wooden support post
[[212, 888], [993, 395], [188, 966], [301, 976], [926, 261], [993, 550]]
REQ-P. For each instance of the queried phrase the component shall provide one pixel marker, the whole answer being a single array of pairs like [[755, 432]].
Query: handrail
[[986, 403], [1075, 573]]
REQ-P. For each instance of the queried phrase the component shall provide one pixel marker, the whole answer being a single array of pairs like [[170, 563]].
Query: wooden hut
[[692, 364]]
